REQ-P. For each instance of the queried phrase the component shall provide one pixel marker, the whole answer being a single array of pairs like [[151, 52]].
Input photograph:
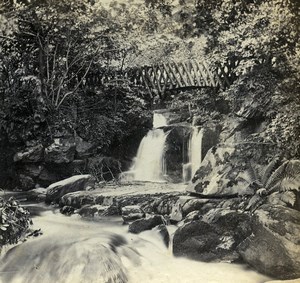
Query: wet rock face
[[210, 137], [144, 224], [216, 176], [212, 238], [83, 148], [26, 182], [30, 154], [132, 212], [273, 246], [176, 148], [72, 184], [62, 150], [223, 170], [79, 199]]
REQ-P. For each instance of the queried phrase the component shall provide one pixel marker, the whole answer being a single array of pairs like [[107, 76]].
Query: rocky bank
[[211, 227]]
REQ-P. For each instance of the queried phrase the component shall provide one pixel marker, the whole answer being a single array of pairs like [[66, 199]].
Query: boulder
[[144, 224], [80, 198], [224, 172], [47, 177], [193, 204], [273, 246], [213, 238], [163, 205], [210, 137], [37, 195], [32, 170], [62, 150], [84, 149], [26, 183], [94, 210], [216, 176], [176, 213], [67, 210], [72, 184], [30, 155], [132, 212]]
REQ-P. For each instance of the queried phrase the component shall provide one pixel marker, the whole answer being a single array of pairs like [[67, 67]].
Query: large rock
[[217, 176], [98, 210], [26, 183], [32, 170], [72, 184], [47, 177], [81, 198], [149, 223], [30, 155], [62, 150], [210, 137], [273, 248], [214, 238], [162, 205], [185, 205], [132, 212], [224, 170], [84, 149]]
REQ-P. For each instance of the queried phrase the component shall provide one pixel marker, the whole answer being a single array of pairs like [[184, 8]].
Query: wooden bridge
[[158, 79]]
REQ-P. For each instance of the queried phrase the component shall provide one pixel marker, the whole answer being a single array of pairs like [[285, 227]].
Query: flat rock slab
[[73, 184], [125, 195]]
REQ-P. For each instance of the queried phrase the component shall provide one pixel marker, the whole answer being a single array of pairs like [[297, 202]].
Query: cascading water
[[75, 251], [195, 148], [194, 154], [149, 164]]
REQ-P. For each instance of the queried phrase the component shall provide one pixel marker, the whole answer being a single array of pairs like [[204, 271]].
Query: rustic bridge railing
[[157, 79]]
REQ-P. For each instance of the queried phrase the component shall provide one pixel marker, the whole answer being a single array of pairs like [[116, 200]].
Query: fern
[[276, 177], [255, 202], [293, 168], [290, 184], [254, 177], [271, 167], [279, 183], [288, 198]]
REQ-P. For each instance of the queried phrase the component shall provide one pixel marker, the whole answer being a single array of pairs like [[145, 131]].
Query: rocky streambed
[[209, 228]]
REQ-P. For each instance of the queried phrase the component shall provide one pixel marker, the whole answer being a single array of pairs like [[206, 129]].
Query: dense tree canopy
[[49, 48]]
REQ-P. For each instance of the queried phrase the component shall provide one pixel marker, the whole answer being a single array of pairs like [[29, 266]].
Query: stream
[[73, 250]]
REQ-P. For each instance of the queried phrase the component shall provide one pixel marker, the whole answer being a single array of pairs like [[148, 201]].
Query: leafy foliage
[[14, 221], [280, 182]]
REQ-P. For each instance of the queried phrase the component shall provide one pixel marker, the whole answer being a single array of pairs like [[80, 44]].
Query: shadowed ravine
[[72, 250]]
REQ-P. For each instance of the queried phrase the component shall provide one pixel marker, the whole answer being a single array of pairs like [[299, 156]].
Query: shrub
[[14, 221]]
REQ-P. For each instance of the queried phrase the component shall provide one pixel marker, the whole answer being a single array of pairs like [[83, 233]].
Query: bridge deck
[[157, 79]]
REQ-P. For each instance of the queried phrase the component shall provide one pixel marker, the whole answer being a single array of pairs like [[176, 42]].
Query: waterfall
[[149, 163], [194, 154], [159, 120], [195, 148]]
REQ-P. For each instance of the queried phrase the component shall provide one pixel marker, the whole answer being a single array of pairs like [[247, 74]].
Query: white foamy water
[[194, 155], [149, 163], [76, 251], [159, 120]]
